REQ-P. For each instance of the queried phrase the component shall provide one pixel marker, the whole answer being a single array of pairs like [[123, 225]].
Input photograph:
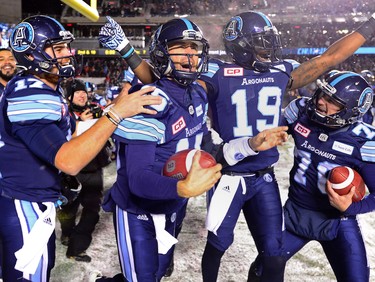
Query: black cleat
[[254, 275], [169, 271], [81, 257]]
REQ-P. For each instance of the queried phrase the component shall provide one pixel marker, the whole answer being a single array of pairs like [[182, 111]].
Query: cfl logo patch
[[302, 130], [178, 125], [233, 72]]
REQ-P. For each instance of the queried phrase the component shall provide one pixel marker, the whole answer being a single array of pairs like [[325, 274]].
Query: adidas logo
[[226, 188], [142, 217], [48, 221]]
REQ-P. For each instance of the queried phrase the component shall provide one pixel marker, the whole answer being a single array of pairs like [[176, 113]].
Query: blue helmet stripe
[[341, 77], [188, 24], [265, 19]]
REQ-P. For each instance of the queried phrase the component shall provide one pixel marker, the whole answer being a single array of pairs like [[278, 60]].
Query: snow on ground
[[309, 264]]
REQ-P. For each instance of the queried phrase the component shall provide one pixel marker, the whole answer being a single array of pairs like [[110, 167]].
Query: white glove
[[113, 37]]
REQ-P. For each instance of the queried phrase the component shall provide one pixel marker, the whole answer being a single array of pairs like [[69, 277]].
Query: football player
[[328, 132], [245, 98], [37, 142], [149, 208]]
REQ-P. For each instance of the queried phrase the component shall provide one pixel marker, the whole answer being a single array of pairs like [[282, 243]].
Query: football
[[343, 178], [179, 164]]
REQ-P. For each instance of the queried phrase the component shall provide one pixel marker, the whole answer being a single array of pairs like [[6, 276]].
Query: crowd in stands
[[315, 35], [112, 69], [159, 8]]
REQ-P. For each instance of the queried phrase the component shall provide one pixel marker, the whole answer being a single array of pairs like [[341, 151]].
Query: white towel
[[165, 239], [222, 199], [35, 243]]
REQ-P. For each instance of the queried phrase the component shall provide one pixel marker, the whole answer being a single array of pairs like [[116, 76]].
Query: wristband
[[238, 149], [127, 51], [111, 119], [131, 57], [115, 114], [367, 29]]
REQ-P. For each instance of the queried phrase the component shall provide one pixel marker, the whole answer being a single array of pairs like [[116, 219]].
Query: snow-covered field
[[309, 264]]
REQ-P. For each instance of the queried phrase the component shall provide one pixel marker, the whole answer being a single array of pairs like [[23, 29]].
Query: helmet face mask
[[252, 41], [179, 33], [29, 42], [348, 91]]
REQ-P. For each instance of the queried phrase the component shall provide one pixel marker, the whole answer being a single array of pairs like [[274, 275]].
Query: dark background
[[50, 7]]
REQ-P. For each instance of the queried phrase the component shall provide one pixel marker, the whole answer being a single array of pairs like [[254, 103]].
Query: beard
[[7, 76], [53, 78]]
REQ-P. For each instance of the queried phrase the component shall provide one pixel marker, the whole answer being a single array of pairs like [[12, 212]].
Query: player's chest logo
[[178, 125], [233, 71], [304, 131], [343, 148]]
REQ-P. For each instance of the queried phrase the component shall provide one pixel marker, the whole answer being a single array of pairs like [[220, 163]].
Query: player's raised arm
[[112, 36], [338, 52]]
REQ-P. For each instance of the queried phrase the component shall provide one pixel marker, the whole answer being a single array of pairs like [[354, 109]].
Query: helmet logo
[[365, 100], [233, 28], [22, 37]]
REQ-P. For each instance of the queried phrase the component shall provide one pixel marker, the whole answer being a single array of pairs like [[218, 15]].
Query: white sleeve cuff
[[236, 150], [82, 126]]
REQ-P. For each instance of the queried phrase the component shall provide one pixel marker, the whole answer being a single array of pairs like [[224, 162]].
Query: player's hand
[[340, 202], [127, 105], [269, 138], [198, 180], [112, 36]]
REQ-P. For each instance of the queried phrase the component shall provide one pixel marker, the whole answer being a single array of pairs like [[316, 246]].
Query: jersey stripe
[[291, 112], [212, 69], [139, 128], [368, 151], [34, 107]]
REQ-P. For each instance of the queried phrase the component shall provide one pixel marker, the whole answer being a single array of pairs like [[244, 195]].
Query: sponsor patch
[[343, 148], [178, 125], [299, 128], [233, 71]]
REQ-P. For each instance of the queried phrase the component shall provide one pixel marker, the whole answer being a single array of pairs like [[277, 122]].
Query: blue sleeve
[[143, 180], [368, 203], [210, 77], [44, 141]]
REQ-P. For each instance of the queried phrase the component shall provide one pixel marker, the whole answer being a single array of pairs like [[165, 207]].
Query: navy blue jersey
[[2, 87], [147, 142], [130, 77], [245, 102], [318, 149], [30, 111]]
